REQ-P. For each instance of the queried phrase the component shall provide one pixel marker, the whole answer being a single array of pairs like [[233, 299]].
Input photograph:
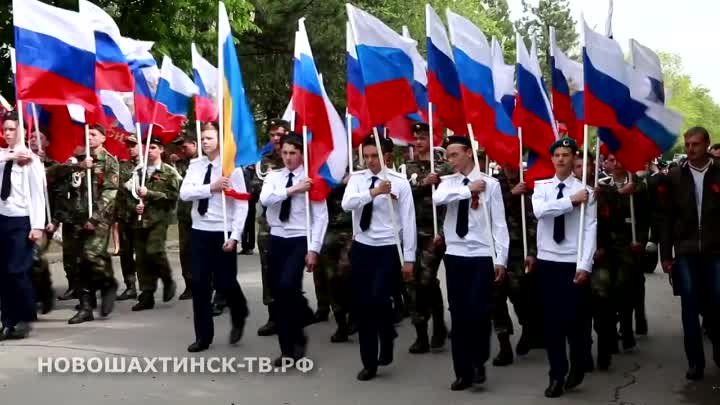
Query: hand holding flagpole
[[486, 213]]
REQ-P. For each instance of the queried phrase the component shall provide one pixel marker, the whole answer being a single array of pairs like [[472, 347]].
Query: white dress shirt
[[381, 232], [27, 192], [476, 243], [698, 175], [193, 189], [274, 192], [547, 206]]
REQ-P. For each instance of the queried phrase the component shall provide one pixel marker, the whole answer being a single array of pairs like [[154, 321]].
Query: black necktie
[[5, 191], [285, 205], [366, 215], [461, 223], [559, 228], [203, 204]]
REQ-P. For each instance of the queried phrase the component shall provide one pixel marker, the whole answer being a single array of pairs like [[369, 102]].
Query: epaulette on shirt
[[359, 172], [541, 182], [449, 176], [396, 174]]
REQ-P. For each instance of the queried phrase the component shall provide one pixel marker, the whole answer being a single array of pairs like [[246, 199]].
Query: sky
[[688, 28]]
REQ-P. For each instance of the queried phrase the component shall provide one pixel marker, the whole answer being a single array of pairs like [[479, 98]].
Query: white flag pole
[[582, 206], [432, 167], [88, 172], [522, 196], [481, 197], [308, 234], [221, 112], [38, 141], [351, 169], [197, 135]]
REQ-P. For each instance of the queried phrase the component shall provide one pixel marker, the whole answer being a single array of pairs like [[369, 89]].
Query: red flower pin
[[715, 188]]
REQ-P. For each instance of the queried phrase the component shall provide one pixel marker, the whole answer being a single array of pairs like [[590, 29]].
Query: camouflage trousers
[[423, 290], [71, 249], [604, 310], [86, 252], [263, 241], [523, 292], [629, 286], [184, 229], [333, 273], [41, 280], [152, 261], [127, 253]]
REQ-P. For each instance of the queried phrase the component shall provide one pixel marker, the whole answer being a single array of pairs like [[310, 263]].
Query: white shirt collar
[[297, 172], [568, 181]]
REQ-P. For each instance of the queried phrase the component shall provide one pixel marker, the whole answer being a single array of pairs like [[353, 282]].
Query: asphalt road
[[652, 374]]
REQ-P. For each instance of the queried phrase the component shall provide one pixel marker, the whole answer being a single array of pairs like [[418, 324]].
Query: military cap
[[131, 139], [564, 143], [460, 140], [278, 122], [419, 127], [154, 140]]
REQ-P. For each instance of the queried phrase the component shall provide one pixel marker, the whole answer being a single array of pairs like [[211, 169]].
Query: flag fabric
[[327, 143], [386, 65], [173, 95], [533, 111], [111, 68], [116, 113], [205, 76], [443, 82], [146, 76], [616, 98], [55, 55], [491, 124], [646, 61], [355, 92], [239, 138], [568, 84]]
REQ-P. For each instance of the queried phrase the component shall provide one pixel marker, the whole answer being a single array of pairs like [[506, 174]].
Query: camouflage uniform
[[163, 187], [184, 218], [623, 263], [518, 286], [59, 195], [425, 295], [87, 250], [271, 161], [127, 220]]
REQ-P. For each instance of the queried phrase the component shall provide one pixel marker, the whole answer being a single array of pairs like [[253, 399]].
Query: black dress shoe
[[439, 335], [268, 329], [479, 376], [366, 375], [555, 389], [236, 333], [198, 347], [186, 295], [523, 346], [574, 380], [47, 303], [321, 315], [169, 290], [70, 294], [386, 353], [695, 374], [461, 384], [146, 301], [130, 293], [503, 358], [19, 331]]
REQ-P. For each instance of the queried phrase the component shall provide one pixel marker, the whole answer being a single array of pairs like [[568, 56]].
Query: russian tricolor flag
[[568, 86], [111, 69], [55, 55], [533, 111], [616, 98], [327, 143], [355, 91], [386, 66], [646, 61], [116, 112], [491, 124], [443, 82], [146, 75], [173, 95], [205, 76]]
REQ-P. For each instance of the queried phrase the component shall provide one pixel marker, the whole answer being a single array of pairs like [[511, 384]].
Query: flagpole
[[21, 130], [633, 229], [393, 222], [486, 213], [221, 115], [88, 172], [138, 131], [432, 166], [146, 157], [308, 235], [522, 196], [582, 206], [36, 124], [197, 135], [351, 169]]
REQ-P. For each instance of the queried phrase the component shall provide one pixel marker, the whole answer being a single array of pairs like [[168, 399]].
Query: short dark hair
[[278, 123], [591, 156], [698, 131], [386, 144], [715, 146], [98, 128], [294, 139], [12, 115]]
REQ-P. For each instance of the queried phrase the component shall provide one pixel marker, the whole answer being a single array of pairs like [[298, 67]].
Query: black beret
[[154, 140], [419, 127], [460, 140], [564, 143], [277, 122]]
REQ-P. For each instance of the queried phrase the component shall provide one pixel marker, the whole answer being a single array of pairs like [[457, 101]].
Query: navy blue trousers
[[290, 307], [567, 317], [211, 266], [698, 282], [374, 280], [17, 298], [469, 288]]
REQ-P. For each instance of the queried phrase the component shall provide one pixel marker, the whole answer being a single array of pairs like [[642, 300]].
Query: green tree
[[537, 21]]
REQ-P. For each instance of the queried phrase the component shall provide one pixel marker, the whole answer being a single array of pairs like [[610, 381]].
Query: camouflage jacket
[[417, 171], [163, 191], [269, 162], [340, 222], [614, 226], [513, 216], [57, 189], [125, 202], [184, 208], [104, 183]]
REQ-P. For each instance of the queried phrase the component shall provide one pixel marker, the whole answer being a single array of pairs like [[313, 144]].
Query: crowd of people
[[569, 256]]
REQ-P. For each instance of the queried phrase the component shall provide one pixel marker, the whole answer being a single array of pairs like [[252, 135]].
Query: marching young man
[[374, 256], [475, 258], [212, 256], [283, 194], [565, 281]]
